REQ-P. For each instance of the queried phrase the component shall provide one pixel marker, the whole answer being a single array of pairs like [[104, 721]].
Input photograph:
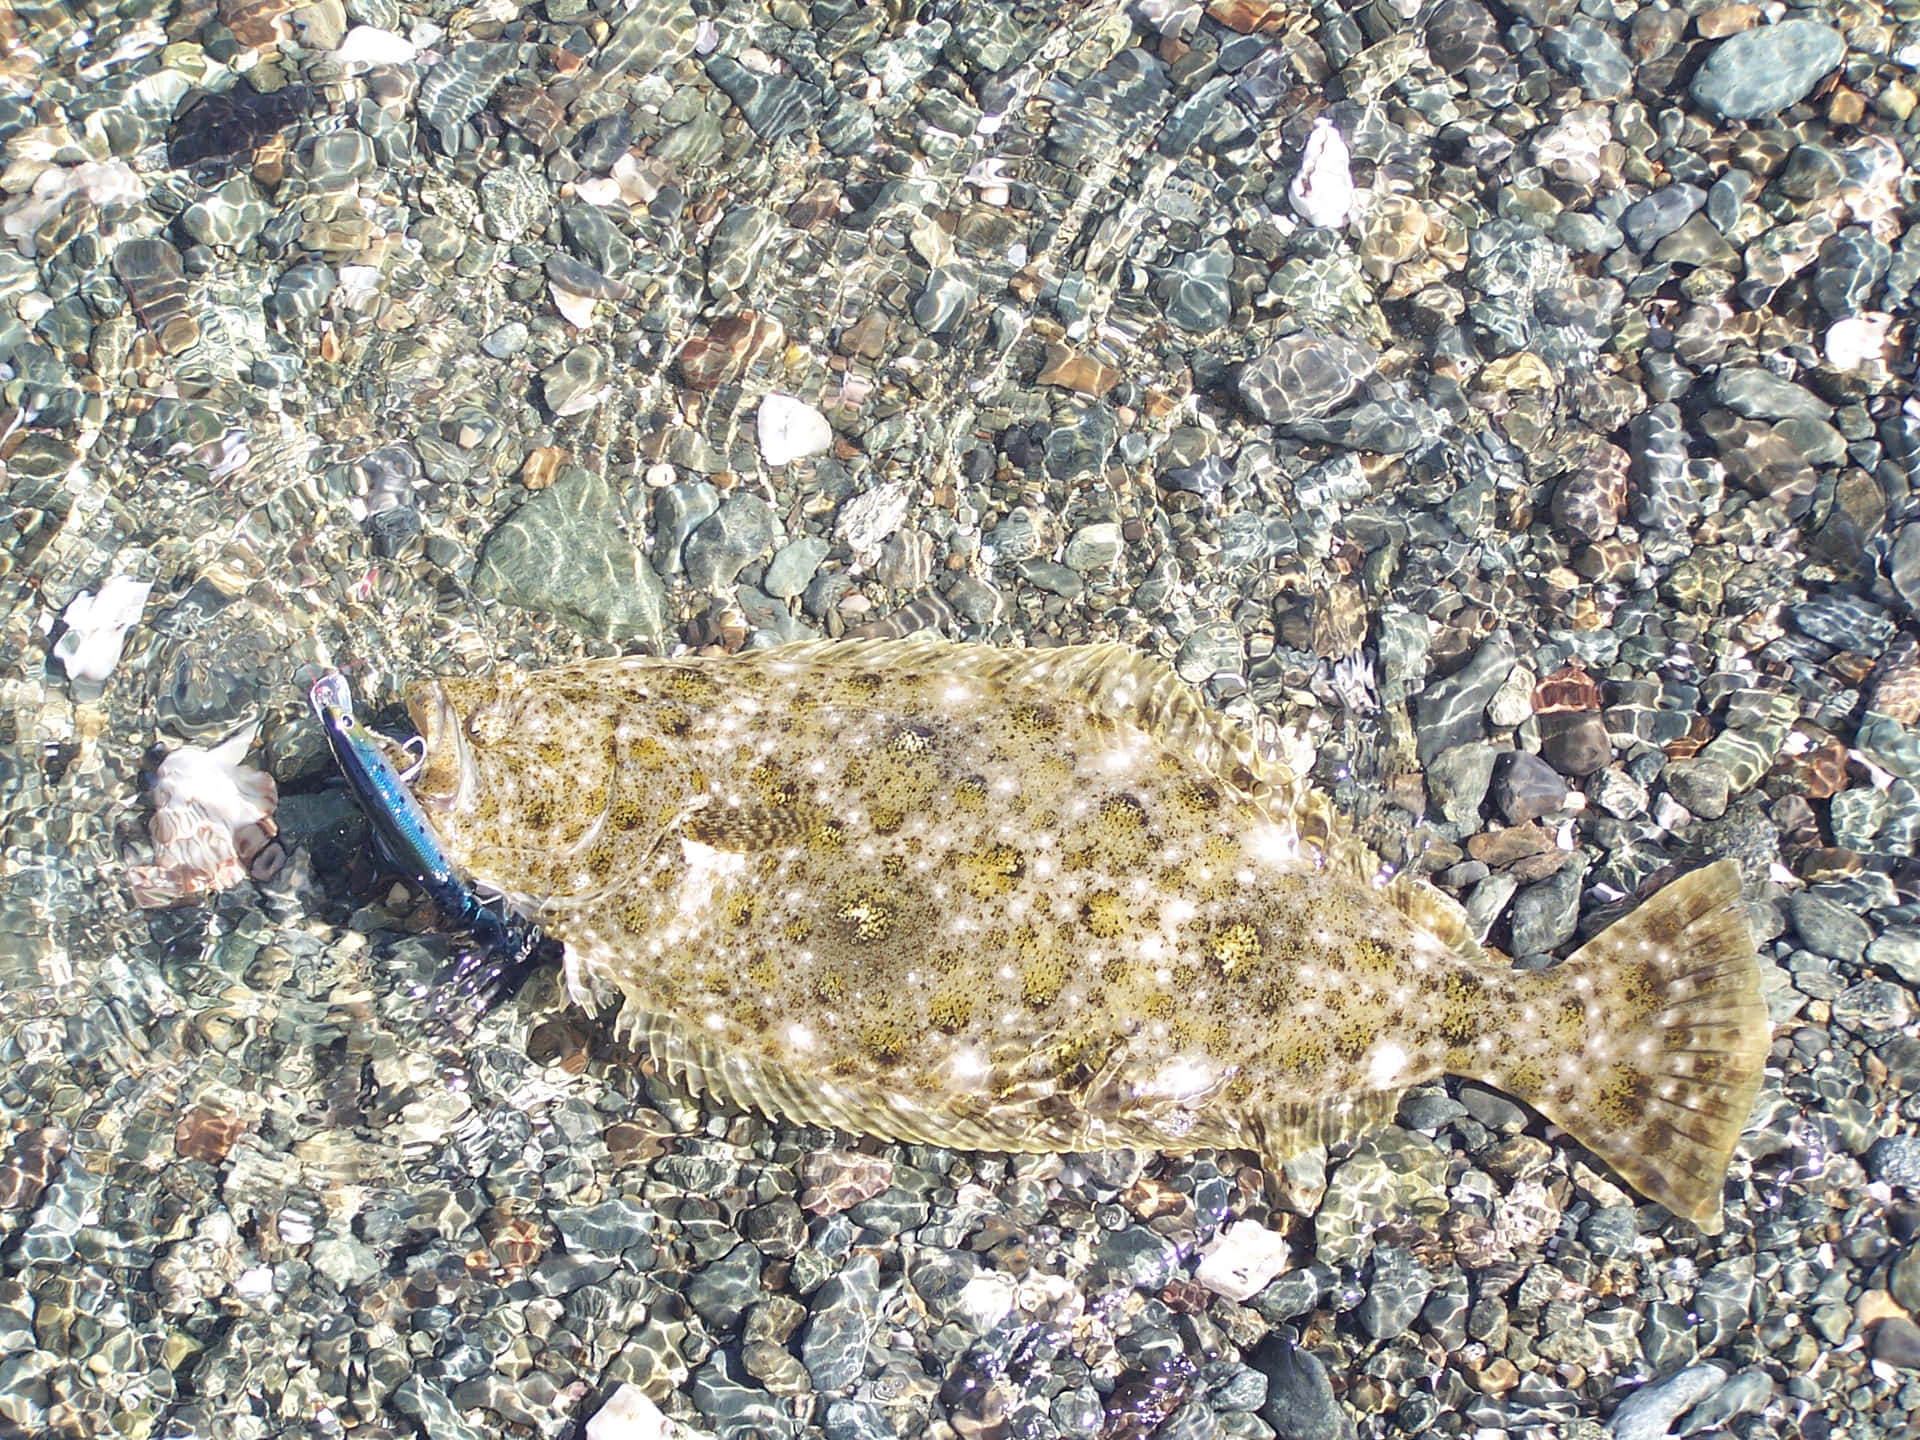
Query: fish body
[[1045, 900]]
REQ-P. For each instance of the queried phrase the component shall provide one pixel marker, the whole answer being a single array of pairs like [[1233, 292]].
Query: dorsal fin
[[1114, 679]]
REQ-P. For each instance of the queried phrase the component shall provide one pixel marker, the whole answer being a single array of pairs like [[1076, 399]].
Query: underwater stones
[[1527, 788], [1760, 394], [231, 216], [1663, 496], [1194, 293], [302, 292], [1649, 220], [157, 285], [1300, 1403], [1305, 377], [458, 88], [945, 299], [1703, 786], [514, 200], [1589, 498], [576, 382], [219, 131], [1586, 51], [727, 541], [843, 1316], [1851, 266], [793, 566], [1760, 72], [734, 253], [1451, 712], [96, 628], [727, 349], [1241, 1261], [775, 106], [788, 429], [562, 553], [1322, 192]]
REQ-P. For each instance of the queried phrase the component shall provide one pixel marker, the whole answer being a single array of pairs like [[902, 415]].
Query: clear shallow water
[[347, 415]]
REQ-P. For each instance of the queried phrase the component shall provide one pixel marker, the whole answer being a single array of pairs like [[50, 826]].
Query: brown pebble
[[207, 1135], [1077, 372], [537, 471], [1724, 20]]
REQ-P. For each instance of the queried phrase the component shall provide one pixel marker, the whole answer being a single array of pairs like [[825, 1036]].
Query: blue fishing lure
[[509, 947]]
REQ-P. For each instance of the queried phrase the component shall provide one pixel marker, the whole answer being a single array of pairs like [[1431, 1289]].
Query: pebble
[[1300, 1403], [1242, 1260], [1650, 1412], [1527, 788], [793, 567], [1546, 914], [562, 553], [1760, 72], [1305, 377], [843, 1317], [1828, 929], [788, 429], [742, 530]]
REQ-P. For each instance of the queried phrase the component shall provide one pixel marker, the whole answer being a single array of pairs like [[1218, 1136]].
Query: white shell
[[96, 627]]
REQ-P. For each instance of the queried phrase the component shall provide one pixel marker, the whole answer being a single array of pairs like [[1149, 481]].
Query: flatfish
[[1037, 900]]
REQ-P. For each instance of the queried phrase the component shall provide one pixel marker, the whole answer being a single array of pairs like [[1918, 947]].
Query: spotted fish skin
[[1043, 900]]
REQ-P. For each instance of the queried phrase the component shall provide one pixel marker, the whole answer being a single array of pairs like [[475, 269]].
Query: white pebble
[[96, 627], [791, 429], [367, 45], [1322, 193], [627, 1415], [1859, 342], [1241, 1262]]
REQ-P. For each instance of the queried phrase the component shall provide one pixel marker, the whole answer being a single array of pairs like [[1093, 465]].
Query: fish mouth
[[446, 780]]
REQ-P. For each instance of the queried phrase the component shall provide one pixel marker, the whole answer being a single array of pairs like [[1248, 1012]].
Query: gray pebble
[[1827, 929], [1300, 1402], [1649, 1413], [728, 540], [1760, 72], [845, 1313], [1546, 913], [793, 565]]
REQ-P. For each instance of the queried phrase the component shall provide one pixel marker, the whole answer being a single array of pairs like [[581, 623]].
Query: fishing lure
[[510, 947]]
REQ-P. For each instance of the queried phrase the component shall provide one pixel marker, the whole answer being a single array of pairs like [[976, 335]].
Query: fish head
[[448, 779]]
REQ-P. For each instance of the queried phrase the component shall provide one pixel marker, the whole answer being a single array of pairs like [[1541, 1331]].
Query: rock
[[576, 382], [844, 1315], [1760, 394], [792, 567], [1896, 1342], [790, 429], [1546, 914], [1703, 786], [1242, 1260], [1895, 1160], [1528, 788], [1304, 377], [1650, 220], [1586, 51], [721, 1290], [1300, 1403], [1649, 1412], [730, 539], [1093, 547], [1322, 193], [562, 553], [1400, 1286], [1457, 779], [1828, 929], [97, 626], [1760, 72], [1451, 711]]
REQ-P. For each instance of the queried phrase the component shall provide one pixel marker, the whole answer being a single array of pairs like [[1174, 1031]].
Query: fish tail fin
[[1662, 1013]]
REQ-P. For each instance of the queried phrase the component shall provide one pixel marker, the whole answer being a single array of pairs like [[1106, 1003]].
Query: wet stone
[[1528, 788], [1873, 1007], [1093, 547], [1852, 264], [1451, 712], [1546, 914], [1195, 293], [562, 553], [232, 216], [1586, 51], [1649, 220], [947, 296], [576, 382], [1300, 1402], [301, 293], [844, 1315], [775, 106], [1703, 786], [1760, 394], [1399, 1287], [1139, 1256], [458, 88], [606, 1229], [721, 1392], [1649, 1412], [678, 511], [1827, 929], [1895, 1160], [1216, 648], [792, 567], [722, 1290], [1762, 71], [726, 542], [1305, 377], [1575, 742]]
